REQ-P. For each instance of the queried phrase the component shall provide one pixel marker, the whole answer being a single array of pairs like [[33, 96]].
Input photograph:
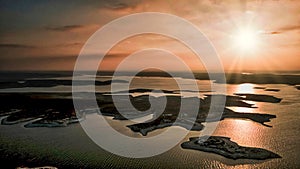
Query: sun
[[246, 40]]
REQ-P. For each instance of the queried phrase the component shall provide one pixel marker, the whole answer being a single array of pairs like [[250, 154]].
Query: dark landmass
[[153, 90], [14, 76], [231, 78], [230, 100], [167, 120], [141, 103], [53, 83], [162, 122], [48, 118], [297, 87], [227, 148], [141, 91], [192, 91], [56, 110], [272, 90], [42, 167], [256, 117], [259, 97], [168, 117], [170, 114], [28, 106], [267, 89], [259, 87], [5, 112], [235, 78]]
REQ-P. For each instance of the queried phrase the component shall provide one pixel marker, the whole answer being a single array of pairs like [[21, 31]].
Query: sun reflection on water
[[243, 131], [245, 88]]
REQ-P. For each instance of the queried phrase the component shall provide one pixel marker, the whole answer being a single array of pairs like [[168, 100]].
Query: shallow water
[[70, 145]]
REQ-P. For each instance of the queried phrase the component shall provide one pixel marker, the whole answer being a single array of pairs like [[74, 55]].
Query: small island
[[266, 89], [139, 91], [163, 122], [259, 97], [272, 90], [259, 87], [227, 148]]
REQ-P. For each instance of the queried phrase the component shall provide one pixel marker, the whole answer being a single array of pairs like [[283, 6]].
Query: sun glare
[[246, 40]]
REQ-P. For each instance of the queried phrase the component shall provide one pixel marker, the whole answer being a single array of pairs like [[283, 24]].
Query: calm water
[[74, 146]]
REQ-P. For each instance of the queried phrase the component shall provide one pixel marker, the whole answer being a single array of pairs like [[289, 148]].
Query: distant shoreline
[[231, 78]]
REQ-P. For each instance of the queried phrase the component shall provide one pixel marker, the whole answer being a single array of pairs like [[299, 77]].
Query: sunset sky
[[248, 35]]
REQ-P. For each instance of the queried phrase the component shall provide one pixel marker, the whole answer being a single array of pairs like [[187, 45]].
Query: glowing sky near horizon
[[248, 35]]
